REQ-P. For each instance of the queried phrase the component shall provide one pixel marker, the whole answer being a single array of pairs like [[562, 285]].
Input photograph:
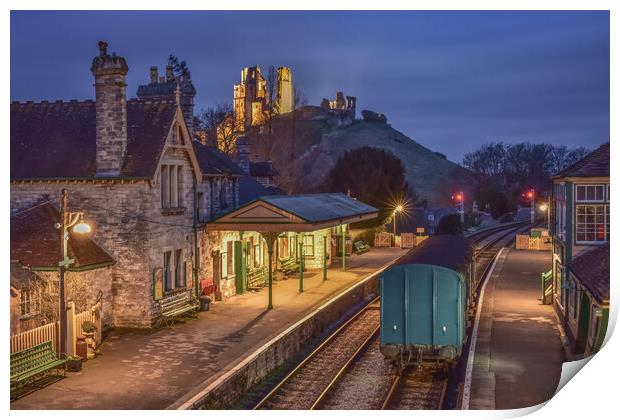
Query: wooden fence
[[51, 332], [30, 338]]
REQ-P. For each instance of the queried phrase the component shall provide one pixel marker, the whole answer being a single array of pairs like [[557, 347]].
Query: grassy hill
[[318, 146]]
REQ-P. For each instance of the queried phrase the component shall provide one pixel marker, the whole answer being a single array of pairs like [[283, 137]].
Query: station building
[[169, 213], [580, 222]]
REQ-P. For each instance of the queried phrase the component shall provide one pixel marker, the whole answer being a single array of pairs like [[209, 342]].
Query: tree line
[[503, 171]]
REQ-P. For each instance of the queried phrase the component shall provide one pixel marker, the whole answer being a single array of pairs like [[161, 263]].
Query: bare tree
[[299, 97], [216, 127]]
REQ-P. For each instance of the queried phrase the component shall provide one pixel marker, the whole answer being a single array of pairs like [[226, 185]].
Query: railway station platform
[[155, 369], [518, 352]]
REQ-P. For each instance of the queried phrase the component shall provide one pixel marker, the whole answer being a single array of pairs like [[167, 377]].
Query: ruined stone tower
[[250, 99], [110, 110], [284, 102]]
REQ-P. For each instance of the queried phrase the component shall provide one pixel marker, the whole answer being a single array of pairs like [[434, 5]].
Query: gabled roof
[[593, 165], [35, 242], [294, 213], [213, 162], [592, 269], [250, 189], [58, 139], [316, 208]]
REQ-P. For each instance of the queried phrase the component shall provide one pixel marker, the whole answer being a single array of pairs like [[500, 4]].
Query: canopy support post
[[301, 264], [324, 258], [270, 238], [344, 247]]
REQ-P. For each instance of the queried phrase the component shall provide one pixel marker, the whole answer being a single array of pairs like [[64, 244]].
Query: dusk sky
[[450, 80]]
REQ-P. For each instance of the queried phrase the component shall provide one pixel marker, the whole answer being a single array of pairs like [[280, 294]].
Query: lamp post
[[545, 208], [67, 220], [531, 195], [397, 209], [459, 197]]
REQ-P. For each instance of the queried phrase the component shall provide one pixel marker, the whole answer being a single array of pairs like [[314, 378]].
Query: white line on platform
[[189, 403], [474, 336]]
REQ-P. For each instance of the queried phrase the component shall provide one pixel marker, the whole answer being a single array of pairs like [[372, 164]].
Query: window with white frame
[[592, 223], [30, 302], [590, 193], [308, 245], [171, 181], [167, 270]]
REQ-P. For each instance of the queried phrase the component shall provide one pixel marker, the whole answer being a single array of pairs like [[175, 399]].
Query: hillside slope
[[318, 146]]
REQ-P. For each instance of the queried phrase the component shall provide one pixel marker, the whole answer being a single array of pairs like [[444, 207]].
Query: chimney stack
[[243, 154], [154, 76], [110, 111]]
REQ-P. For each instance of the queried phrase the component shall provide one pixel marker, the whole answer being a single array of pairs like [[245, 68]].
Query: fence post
[[71, 329]]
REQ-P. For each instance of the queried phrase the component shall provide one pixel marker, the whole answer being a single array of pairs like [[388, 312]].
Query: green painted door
[[240, 266], [584, 323]]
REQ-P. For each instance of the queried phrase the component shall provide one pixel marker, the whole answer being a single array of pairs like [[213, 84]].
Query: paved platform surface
[[151, 370], [519, 355]]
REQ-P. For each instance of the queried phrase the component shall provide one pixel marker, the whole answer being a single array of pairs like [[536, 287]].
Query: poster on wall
[[158, 283]]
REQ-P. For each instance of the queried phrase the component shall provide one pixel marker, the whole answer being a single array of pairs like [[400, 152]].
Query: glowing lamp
[[81, 227], [543, 207], [399, 208]]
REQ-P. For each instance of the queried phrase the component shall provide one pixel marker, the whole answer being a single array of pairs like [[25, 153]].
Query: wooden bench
[[289, 265], [361, 247], [257, 278], [33, 362], [175, 306]]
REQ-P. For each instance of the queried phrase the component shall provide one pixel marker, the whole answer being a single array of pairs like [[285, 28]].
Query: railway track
[[347, 370], [309, 382], [423, 388]]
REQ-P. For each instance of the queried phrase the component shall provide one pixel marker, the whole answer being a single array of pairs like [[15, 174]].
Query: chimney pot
[[103, 48], [154, 74]]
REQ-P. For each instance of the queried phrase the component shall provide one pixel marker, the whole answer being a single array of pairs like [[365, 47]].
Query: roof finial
[[177, 94]]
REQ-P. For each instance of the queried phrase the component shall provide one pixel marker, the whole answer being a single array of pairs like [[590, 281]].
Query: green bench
[[257, 278], [177, 305], [28, 364], [361, 247], [289, 265]]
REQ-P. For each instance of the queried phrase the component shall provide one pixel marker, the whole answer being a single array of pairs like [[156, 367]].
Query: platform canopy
[[272, 215], [294, 213]]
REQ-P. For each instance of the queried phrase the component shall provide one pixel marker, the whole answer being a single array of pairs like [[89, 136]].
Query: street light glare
[[399, 208], [81, 228], [543, 207]]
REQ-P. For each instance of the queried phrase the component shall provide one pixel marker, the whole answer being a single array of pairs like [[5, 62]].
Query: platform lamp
[[398, 209], [68, 219]]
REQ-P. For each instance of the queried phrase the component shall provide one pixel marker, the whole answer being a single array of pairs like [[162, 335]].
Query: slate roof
[[214, 162], [592, 269], [35, 242], [22, 277], [250, 190], [449, 251], [58, 139], [594, 164], [316, 208], [166, 88], [264, 168]]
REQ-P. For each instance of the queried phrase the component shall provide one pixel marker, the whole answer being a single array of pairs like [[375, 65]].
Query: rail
[[273, 399]]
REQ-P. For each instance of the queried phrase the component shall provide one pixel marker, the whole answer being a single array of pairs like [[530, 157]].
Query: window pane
[[581, 192], [178, 278], [599, 193]]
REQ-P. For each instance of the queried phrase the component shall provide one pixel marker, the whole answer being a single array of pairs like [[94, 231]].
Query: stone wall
[[127, 222]]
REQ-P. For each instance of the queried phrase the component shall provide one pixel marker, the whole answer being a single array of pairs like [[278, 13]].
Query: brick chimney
[[243, 154], [154, 74], [111, 110]]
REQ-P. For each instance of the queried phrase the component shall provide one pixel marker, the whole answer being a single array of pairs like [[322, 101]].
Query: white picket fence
[[30, 338], [51, 332]]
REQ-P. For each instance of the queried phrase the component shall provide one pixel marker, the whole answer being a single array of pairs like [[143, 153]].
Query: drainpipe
[[195, 231]]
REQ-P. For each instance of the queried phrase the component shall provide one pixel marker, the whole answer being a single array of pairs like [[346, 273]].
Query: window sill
[[176, 290], [173, 211]]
